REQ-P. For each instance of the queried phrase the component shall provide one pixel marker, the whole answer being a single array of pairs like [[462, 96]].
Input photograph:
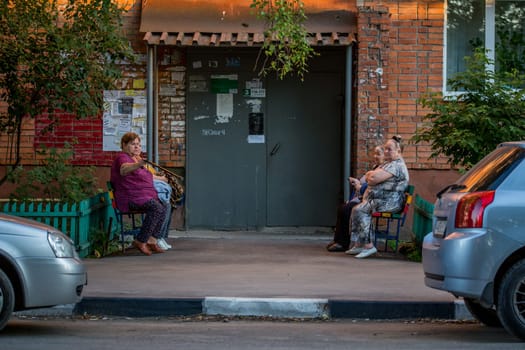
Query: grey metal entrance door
[[290, 176], [226, 174], [304, 150]]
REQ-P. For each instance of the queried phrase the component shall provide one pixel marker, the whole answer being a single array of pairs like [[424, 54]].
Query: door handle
[[275, 149]]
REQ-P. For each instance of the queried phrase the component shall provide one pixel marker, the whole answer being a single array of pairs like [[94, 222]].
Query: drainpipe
[[149, 101], [490, 35], [152, 132], [347, 123], [155, 130]]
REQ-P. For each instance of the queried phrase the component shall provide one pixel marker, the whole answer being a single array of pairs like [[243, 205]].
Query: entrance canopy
[[234, 23]]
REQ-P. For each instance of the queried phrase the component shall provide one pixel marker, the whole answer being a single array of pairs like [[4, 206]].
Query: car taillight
[[469, 212]]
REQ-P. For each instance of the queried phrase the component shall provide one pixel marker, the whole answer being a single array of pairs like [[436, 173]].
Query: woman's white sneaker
[[161, 242], [354, 250], [167, 244], [365, 253]]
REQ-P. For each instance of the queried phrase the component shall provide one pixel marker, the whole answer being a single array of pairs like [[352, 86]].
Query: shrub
[[55, 179], [485, 109]]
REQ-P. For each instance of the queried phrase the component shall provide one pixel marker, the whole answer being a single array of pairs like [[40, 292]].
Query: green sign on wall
[[224, 84]]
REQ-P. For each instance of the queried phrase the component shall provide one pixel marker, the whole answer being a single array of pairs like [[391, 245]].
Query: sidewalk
[[261, 274]]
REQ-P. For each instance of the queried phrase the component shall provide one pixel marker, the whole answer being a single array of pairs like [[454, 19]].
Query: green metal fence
[[422, 223], [77, 220]]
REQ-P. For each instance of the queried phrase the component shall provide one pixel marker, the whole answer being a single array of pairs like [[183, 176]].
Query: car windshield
[[491, 170]]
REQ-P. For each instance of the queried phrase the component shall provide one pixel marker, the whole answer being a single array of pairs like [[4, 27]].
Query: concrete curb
[[270, 307]]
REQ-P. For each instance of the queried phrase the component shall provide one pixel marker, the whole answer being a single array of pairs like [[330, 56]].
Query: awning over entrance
[[228, 23]]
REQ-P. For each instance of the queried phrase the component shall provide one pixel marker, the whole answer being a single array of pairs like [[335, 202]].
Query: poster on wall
[[124, 111]]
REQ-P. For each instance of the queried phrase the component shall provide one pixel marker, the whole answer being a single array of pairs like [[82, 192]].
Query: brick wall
[[132, 24], [400, 56], [172, 109], [85, 134]]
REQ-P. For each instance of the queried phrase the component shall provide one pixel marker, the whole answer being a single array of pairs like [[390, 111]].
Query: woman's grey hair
[[380, 148], [398, 139]]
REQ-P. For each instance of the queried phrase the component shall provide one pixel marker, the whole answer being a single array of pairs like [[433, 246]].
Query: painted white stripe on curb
[[274, 307]]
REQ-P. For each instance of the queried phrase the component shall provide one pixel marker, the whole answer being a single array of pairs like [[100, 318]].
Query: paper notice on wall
[[255, 139], [167, 90], [198, 83], [224, 108], [124, 124], [139, 84], [124, 111]]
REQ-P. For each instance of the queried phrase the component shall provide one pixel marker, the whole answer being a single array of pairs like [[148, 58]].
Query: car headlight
[[61, 244]]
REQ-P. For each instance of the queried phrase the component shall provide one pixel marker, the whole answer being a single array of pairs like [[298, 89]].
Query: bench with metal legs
[[387, 225], [131, 218]]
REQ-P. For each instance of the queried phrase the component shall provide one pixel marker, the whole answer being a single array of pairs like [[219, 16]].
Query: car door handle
[[275, 149]]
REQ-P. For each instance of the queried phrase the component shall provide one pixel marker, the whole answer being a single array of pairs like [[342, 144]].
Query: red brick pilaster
[[404, 41], [373, 27]]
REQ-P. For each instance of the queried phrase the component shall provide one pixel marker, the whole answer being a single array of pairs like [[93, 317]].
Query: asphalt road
[[241, 333]]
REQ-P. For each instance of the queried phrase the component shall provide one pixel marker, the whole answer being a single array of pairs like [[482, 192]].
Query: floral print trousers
[[361, 229]]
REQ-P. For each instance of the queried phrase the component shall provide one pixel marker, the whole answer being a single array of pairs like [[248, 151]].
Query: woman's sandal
[[155, 248], [143, 247]]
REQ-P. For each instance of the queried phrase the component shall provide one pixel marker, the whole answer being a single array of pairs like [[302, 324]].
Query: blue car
[[39, 267], [476, 249]]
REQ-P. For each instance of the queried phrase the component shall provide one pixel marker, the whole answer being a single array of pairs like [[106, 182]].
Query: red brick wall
[[404, 41], [84, 135], [399, 57], [372, 82], [88, 132], [172, 109], [132, 24]]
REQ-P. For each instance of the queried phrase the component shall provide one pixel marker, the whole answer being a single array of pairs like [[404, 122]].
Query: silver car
[[39, 267], [477, 247]]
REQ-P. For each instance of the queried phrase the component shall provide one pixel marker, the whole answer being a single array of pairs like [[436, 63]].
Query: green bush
[[102, 245], [484, 109], [55, 179], [411, 250]]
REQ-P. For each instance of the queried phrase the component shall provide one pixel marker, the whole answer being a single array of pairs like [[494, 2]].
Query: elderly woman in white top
[[385, 192]]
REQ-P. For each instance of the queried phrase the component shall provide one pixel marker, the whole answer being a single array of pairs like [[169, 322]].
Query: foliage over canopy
[[487, 108], [57, 55], [286, 47]]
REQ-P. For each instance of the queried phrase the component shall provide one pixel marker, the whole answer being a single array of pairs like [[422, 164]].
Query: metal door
[[304, 150], [226, 172], [288, 177]]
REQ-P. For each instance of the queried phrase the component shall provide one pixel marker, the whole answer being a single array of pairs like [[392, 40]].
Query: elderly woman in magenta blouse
[[134, 190]]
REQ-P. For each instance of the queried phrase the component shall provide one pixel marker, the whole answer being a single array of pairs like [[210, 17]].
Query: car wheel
[[511, 300], [7, 299], [488, 317]]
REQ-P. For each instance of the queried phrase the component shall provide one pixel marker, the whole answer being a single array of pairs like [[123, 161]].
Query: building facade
[[259, 151]]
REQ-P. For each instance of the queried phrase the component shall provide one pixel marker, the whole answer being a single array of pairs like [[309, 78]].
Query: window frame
[[490, 41]]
